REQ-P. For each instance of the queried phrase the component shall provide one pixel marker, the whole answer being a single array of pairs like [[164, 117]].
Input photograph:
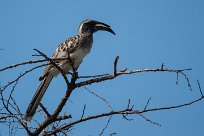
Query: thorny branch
[[11, 110]]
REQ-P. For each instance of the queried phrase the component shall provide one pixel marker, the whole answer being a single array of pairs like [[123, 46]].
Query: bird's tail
[[37, 97]]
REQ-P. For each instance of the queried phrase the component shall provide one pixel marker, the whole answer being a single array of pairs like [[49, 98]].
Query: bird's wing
[[63, 51]]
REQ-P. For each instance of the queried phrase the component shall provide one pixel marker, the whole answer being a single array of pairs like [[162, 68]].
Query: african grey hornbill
[[76, 48]]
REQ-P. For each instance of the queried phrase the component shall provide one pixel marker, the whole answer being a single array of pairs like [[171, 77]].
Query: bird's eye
[[85, 28]]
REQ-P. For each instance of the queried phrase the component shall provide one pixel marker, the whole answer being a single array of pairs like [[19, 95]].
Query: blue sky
[[148, 33]]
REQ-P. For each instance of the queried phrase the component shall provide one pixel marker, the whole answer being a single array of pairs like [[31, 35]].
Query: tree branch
[[128, 112], [51, 118]]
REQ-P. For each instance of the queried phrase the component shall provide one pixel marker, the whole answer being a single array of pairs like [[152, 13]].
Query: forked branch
[[10, 109]]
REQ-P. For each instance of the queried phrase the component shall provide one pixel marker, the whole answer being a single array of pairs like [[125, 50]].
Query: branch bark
[[6, 113]]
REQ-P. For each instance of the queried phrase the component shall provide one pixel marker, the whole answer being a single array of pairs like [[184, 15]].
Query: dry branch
[[11, 110]]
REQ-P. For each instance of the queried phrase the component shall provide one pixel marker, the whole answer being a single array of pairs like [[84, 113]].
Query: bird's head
[[91, 26]]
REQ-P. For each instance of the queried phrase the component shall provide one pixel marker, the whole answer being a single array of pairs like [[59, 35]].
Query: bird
[[76, 48]]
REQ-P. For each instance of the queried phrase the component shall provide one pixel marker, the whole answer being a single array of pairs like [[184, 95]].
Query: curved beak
[[103, 26]]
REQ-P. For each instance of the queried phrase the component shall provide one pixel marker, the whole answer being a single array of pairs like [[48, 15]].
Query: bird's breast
[[79, 54]]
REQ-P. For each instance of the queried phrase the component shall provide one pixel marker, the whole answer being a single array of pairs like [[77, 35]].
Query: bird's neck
[[90, 34]]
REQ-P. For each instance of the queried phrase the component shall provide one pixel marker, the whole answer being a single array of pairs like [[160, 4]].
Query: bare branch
[[93, 76], [105, 126], [115, 65], [112, 134], [20, 76], [83, 111], [125, 72], [147, 103], [176, 106], [200, 88], [128, 111], [52, 62], [148, 120], [103, 99], [22, 63], [55, 120], [45, 110]]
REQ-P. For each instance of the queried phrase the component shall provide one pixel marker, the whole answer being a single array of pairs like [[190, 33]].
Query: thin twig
[[83, 111], [30, 62], [45, 110], [115, 65], [125, 72], [200, 88], [71, 86], [127, 111], [177, 78], [93, 76], [103, 99], [22, 63], [62, 72], [148, 120], [147, 103], [105, 126], [20, 76]]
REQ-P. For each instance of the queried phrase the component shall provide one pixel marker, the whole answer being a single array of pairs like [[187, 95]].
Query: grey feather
[[37, 97]]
